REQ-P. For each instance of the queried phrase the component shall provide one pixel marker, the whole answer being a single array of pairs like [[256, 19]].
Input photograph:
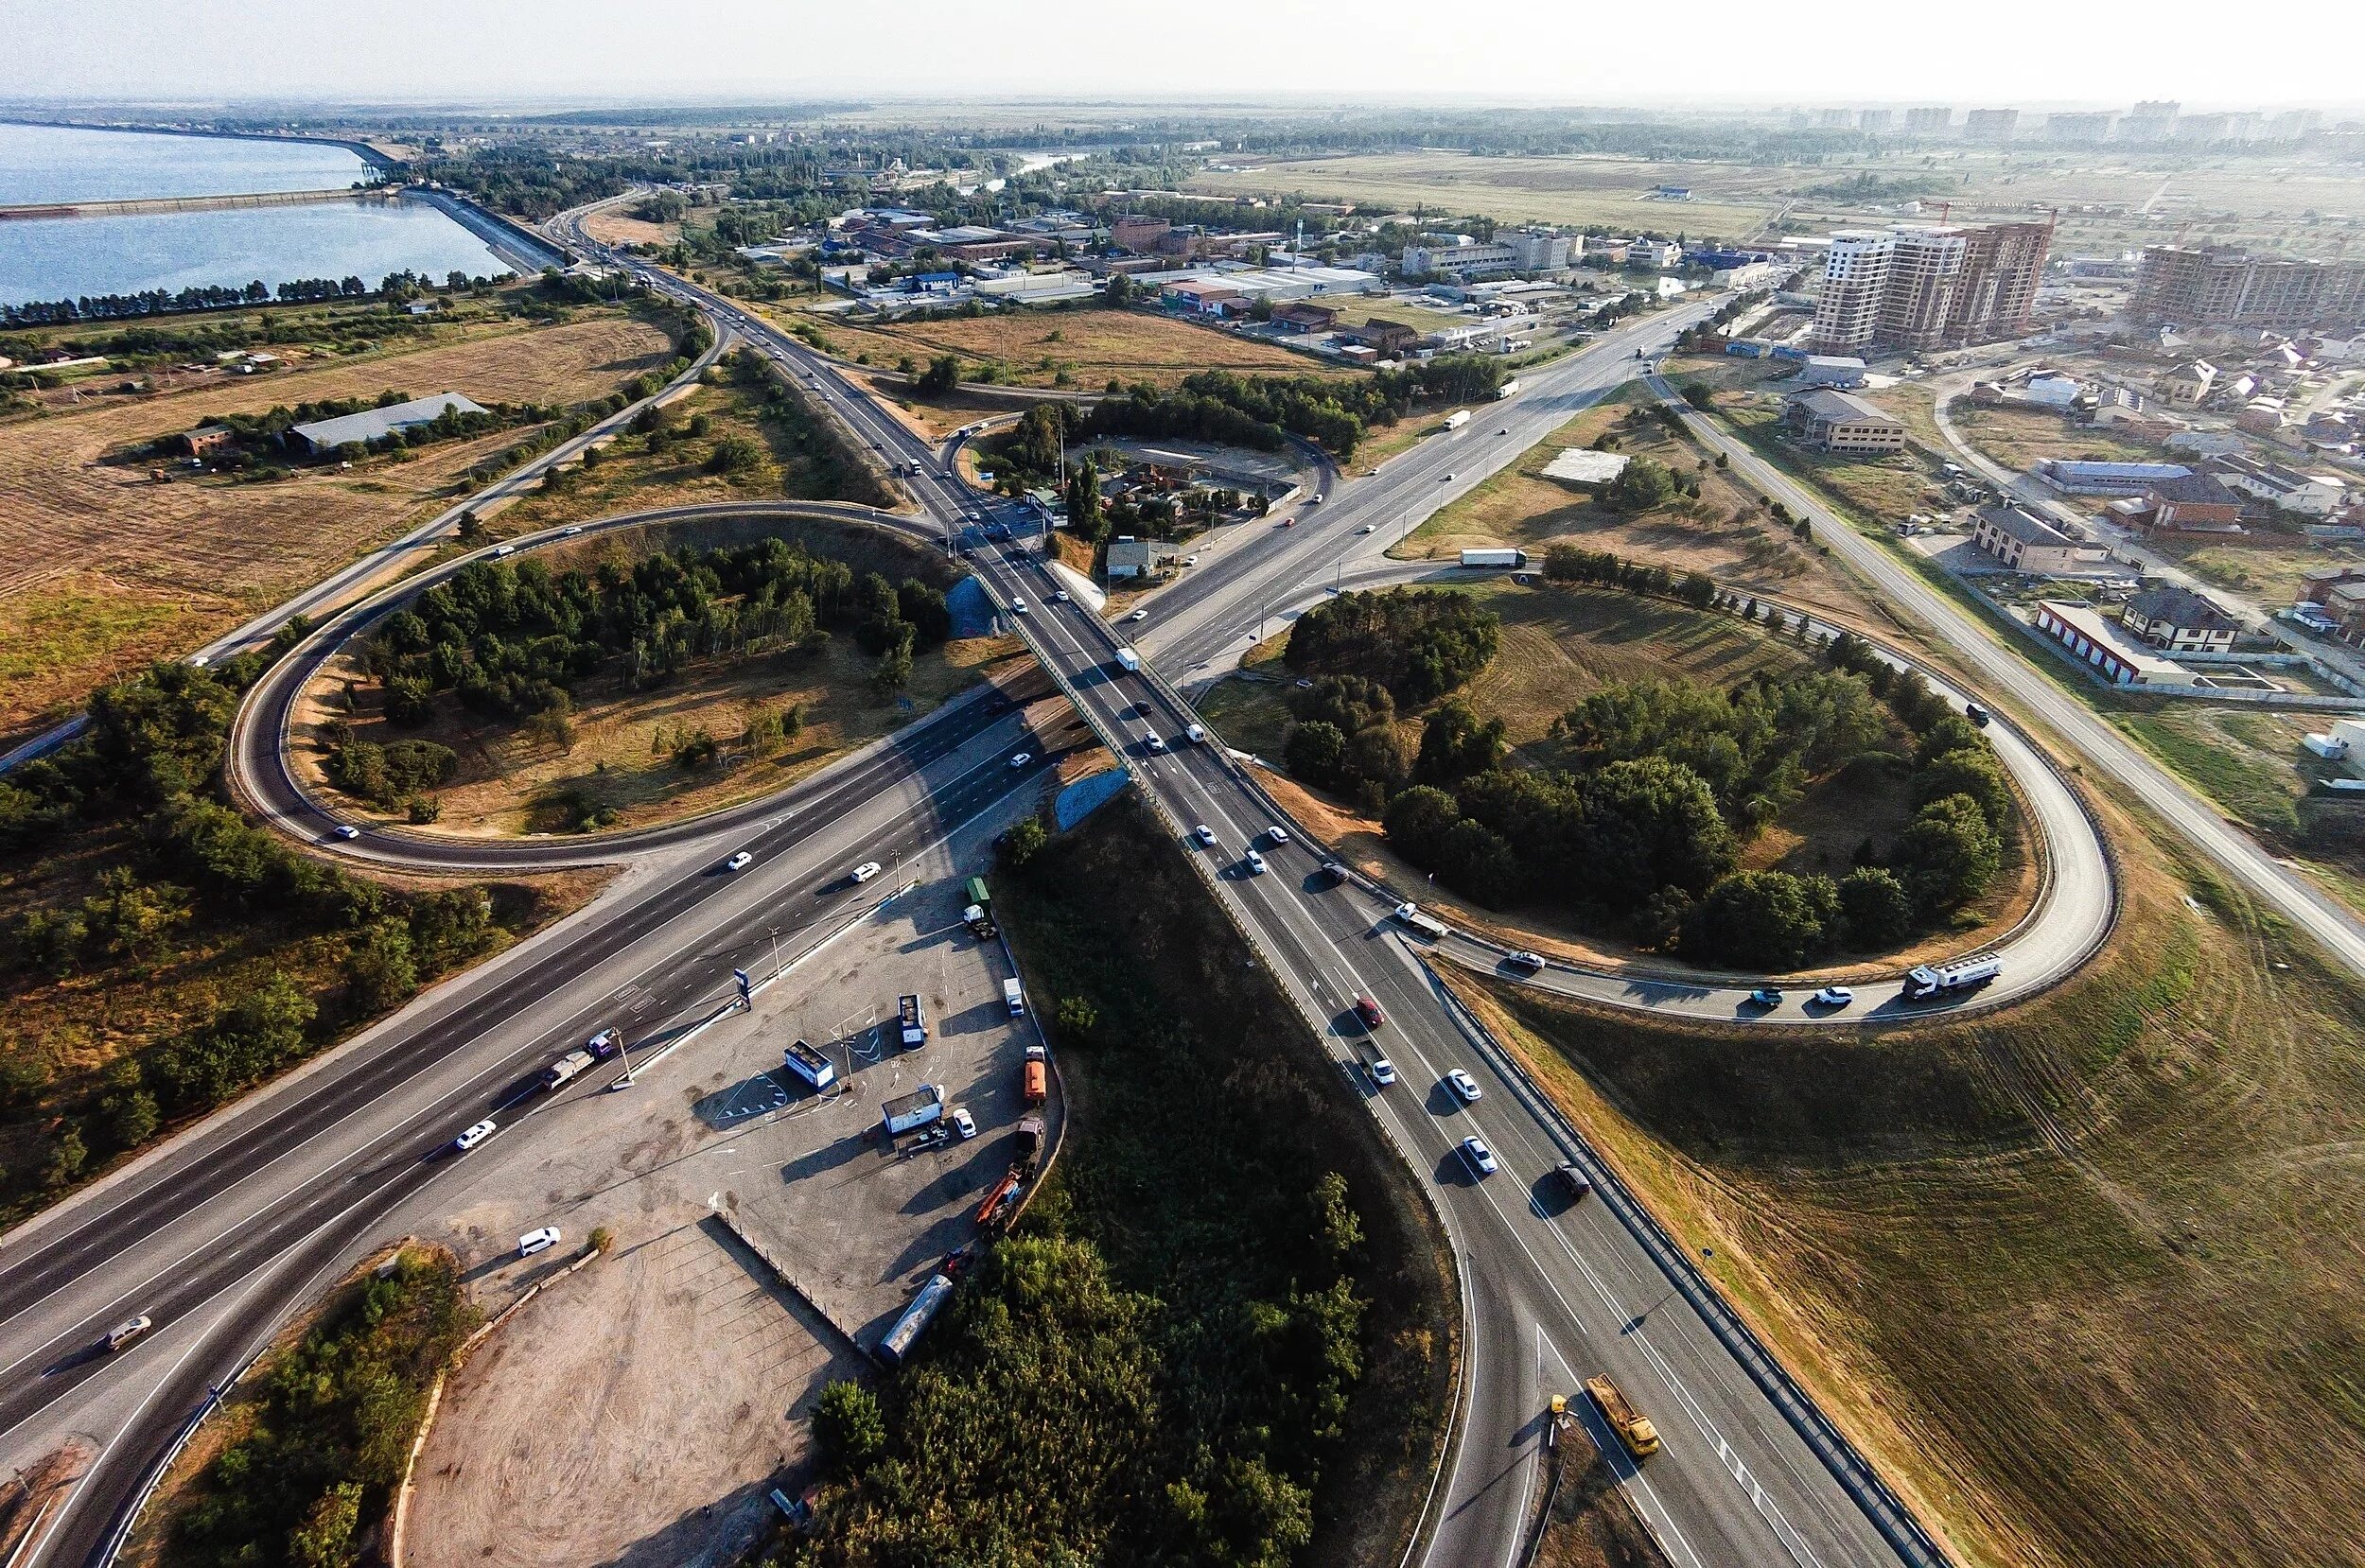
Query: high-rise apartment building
[[1875, 122], [1918, 287], [2078, 129], [2223, 287], [1929, 122], [2292, 123], [2151, 121], [2202, 127], [1837, 119], [1991, 125]]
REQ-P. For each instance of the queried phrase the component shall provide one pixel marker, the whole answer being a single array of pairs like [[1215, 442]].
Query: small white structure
[[1581, 466]]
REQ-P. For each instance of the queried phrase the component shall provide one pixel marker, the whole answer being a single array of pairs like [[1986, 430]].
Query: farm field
[[1085, 349], [1732, 200], [2009, 1253], [102, 568]]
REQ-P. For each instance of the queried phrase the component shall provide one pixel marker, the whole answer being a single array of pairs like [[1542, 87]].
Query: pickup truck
[[566, 1068]]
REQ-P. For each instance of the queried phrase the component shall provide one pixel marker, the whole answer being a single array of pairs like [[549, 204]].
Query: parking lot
[[638, 1411]]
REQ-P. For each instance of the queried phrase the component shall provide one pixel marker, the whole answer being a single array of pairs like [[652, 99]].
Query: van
[[1036, 1083], [1014, 997]]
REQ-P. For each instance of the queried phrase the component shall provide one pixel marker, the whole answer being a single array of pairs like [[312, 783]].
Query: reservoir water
[[67, 258]]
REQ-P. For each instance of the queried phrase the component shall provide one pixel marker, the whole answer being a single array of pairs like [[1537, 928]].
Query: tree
[[1875, 908], [943, 375], [1078, 1018], [1417, 821], [381, 968], [1456, 742], [1084, 518], [734, 455], [1642, 484], [1948, 856], [1765, 919], [1316, 752], [325, 1539], [1022, 842], [848, 1427], [1972, 771], [1700, 395], [1650, 824]]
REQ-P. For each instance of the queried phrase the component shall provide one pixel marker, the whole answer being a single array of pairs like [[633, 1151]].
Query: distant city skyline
[[1856, 52]]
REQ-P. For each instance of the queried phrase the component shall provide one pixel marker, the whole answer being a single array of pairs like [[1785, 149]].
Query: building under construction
[[2215, 286], [1918, 286]]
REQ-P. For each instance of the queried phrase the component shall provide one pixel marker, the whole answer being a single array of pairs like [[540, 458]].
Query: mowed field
[[2082, 1276], [1089, 348], [1730, 200], [102, 568]]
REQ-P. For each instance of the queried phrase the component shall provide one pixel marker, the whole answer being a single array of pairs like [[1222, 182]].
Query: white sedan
[[868, 869], [1205, 835], [1022, 759], [1482, 1159], [1464, 1085], [739, 862], [1138, 614], [1256, 866], [1383, 1072], [474, 1136], [1018, 606]]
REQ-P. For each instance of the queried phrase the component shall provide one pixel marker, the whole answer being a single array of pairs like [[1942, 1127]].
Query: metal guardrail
[[1846, 1465]]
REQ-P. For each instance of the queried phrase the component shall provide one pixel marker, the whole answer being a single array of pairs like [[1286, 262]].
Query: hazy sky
[[495, 52]]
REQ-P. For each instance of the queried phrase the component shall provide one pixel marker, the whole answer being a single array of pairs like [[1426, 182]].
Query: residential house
[[2179, 620], [206, 440], [2198, 503], [2187, 384], [1129, 557], [2317, 495]]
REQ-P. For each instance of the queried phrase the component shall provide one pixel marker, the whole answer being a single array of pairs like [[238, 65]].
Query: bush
[[1762, 919], [849, 1428], [1877, 911]]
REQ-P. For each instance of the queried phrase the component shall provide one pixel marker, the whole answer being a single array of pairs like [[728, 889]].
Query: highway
[[1746, 1476], [222, 1233]]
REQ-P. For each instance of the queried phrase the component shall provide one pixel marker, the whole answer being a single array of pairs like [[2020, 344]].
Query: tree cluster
[[1418, 644], [1259, 412]]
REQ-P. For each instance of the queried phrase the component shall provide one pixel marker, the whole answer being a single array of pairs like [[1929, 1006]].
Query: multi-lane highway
[[1553, 1292], [220, 1232]]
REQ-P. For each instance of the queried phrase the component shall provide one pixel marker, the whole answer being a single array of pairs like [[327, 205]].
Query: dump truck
[[1511, 560], [566, 1068], [898, 1342], [913, 1021], [810, 1065], [922, 1106], [1634, 1429], [1037, 1079], [979, 914]]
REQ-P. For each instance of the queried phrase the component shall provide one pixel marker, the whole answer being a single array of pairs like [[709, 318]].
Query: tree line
[[1259, 412], [158, 302]]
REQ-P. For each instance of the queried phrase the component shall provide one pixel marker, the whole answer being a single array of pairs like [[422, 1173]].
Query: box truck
[[566, 1068], [1014, 997], [1128, 661], [1457, 419], [913, 1020], [1502, 560]]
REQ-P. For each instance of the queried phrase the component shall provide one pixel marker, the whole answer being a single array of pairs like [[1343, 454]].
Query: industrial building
[[1838, 422], [325, 435], [1516, 251], [1921, 287]]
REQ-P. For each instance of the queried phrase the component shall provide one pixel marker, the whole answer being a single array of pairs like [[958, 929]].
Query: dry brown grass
[[2081, 1275], [617, 226], [102, 570], [1091, 347]]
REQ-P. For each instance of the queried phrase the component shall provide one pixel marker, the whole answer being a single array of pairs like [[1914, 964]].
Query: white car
[[1205, 835], [1197, 735], [1482, 1159], [1060, 597], [1256, 866], [1022, 759], [1833, 997], [1018, 606], [348, 832], [1465, 1086], [1368, 528], [739, 862], [1138, 614], [864, 872], [1154, 743], [964, 1124], [1317, 501], [570, 531], [471, 1139], [1190, 559], [1278, 835], [1526, 960], [1383, 1072], [537, 1241]]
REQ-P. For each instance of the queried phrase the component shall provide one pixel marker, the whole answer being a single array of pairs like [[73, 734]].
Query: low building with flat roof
[[2113, 652], [325, 435], [2082, 477]]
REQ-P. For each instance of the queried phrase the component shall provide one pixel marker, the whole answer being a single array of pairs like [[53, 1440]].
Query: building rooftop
[[1824, 403], [2130, 651], [325, 434], [2073, 469], [2024, 525], [2195, 490], [2180, 608]]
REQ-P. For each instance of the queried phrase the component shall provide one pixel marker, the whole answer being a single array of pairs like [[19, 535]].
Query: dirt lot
[[101, 568], [1085, 348], [617, 226], [1521, 506], [2018, 437]]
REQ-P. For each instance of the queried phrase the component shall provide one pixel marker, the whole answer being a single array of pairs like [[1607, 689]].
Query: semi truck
[[914, 1021], [566, 1068], [1457, 419], [898, 1342], [1128, 661], [1927, 981], [1506, 560], [810, 1065], [979, 914], [920, 1107], [1633, 1428]]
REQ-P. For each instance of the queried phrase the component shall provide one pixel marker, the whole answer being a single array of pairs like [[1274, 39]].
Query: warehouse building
[[321, 436]]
